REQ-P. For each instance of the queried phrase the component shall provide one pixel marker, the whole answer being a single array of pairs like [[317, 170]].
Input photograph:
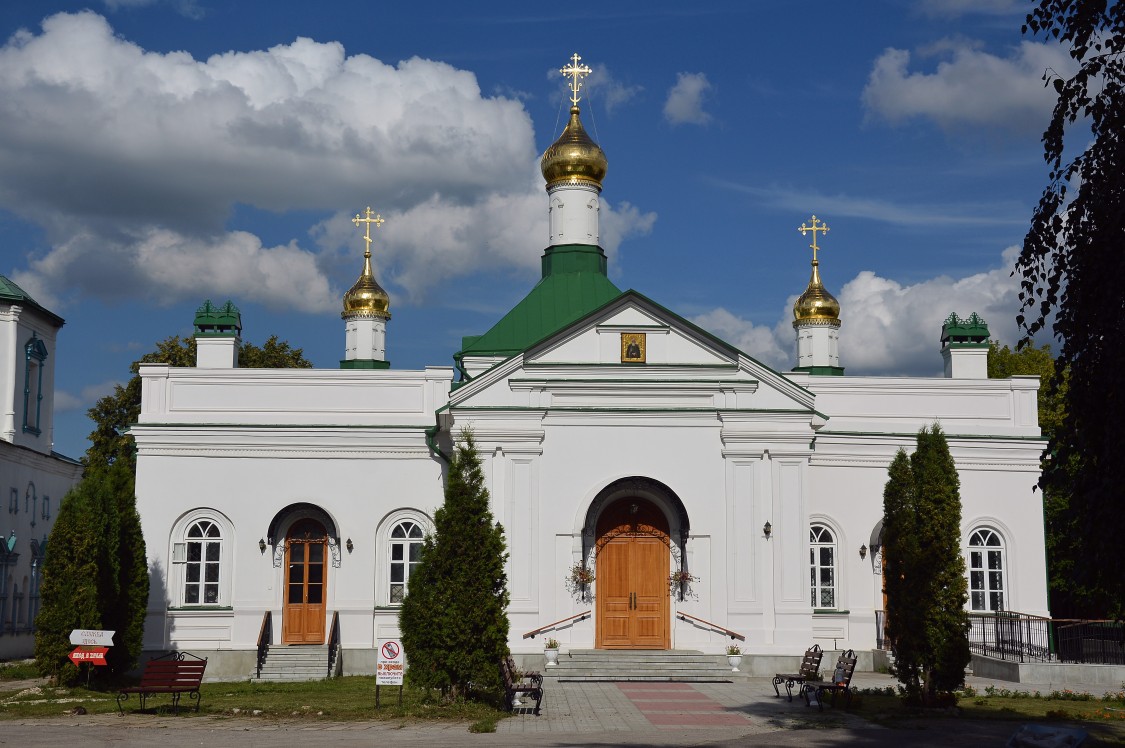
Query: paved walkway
[[604, 714]]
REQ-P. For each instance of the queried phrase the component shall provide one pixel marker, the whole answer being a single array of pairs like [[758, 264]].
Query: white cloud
[[186, 8], [65, 401], [684, 104], [135, 195], [957, 8], [971, 87], [604, 87], [889, 328]]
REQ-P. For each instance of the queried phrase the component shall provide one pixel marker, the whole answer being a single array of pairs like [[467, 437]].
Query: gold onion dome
[[816, 305], [366, 297], [574, 158]]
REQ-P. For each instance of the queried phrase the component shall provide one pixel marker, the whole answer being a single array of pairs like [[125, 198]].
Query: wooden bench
[[514, 686], [841, 683], [810, 668], [175, 673]]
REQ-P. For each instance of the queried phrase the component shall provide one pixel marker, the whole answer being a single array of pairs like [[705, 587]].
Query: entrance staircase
[[684, 666], [295, 663]]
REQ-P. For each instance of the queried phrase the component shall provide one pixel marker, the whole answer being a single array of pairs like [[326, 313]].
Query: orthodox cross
[[576, 73], [822, 227], [378, 220]]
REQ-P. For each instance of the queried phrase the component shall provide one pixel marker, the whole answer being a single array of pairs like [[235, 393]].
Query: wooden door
[[632, 577], [306, 551]]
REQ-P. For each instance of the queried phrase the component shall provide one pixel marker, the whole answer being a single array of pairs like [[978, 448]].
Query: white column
[[574, 215]]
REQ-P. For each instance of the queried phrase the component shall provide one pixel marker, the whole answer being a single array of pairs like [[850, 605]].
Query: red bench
[[175, 673]]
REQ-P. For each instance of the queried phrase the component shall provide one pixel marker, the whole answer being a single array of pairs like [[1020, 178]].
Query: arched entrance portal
[[306, 574], [632, 576]]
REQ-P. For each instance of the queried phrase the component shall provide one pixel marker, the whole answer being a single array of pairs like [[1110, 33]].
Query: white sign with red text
[[390, 664]]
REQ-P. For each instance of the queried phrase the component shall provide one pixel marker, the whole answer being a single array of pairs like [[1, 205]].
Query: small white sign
[[390, 664], [91, 638]]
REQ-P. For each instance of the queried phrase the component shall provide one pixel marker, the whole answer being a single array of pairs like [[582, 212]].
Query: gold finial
[[378, 220], [576, 73], [823, 227]]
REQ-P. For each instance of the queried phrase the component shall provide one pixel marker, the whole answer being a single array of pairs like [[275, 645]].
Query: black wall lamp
[[863, 551], [767, 529], [349, 545], [262, 545]]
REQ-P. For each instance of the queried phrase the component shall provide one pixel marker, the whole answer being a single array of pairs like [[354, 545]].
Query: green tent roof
[[574, 283], [12, 294]]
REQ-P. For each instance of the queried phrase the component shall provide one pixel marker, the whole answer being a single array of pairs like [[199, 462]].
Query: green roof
[[574, 284], [212, 320], [972, 331], [12, 294]]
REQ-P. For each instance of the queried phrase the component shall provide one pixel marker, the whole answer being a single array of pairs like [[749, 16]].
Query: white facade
[[717, 442], [33, 477]]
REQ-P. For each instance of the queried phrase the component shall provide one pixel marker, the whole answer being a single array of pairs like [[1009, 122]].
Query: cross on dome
[[378, 220], [823, 228], [576, 73]]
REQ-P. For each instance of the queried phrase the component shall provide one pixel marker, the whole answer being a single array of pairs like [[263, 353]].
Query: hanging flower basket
[[679, 585], [578, 582]]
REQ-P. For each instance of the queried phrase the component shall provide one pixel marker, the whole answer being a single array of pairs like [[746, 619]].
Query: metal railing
[[713, 626], [334, 643], [558, 624], [1100, 642], [1007, 635], [265, 636]]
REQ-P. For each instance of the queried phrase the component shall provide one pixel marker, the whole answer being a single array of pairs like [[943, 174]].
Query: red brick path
[[679, 705]]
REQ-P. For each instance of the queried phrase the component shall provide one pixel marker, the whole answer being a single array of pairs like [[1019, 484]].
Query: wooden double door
[[306, 578], [632, 576]]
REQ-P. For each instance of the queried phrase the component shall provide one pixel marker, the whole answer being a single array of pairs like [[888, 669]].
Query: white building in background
[[33, 477], [614, 434]]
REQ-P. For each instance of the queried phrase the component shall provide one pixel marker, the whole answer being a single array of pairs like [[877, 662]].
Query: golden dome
[[574, 158], [816, 306], [366, 298]]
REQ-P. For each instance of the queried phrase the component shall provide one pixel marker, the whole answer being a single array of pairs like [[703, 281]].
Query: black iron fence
[[1100, 642], [1020, 637]]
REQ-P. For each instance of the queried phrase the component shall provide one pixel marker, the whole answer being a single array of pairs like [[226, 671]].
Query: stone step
[[640, 665], [299, 663]]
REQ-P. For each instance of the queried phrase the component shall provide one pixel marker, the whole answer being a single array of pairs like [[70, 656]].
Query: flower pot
[[552, 656], [734, 661]]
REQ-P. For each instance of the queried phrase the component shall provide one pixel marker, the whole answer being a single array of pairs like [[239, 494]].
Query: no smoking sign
[[389, 667]]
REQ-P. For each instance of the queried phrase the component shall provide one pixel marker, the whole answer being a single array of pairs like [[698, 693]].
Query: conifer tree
[[454, 619], [95, 573], [925, 575]]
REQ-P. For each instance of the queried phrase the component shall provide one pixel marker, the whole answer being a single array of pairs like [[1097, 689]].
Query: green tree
[[1070, 263], [925, 569], [94, 573], [454, 619], [113, 414]]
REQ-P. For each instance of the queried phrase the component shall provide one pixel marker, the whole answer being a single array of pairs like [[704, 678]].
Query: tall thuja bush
[[95, 573], [454, 619], [925, 571]]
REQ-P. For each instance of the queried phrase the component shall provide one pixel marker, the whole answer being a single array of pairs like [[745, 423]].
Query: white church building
[[705, 492]]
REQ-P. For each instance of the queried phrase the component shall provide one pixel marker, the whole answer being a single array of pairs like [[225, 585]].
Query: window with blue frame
[[35, 353]]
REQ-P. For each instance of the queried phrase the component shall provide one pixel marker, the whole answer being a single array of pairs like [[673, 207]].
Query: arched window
[[986, 570], [822, 562], [200, 557], [406, 549], [35, 353]]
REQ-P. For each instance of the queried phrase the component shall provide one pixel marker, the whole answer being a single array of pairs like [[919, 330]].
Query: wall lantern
[[863, 551], [262, 545], [767, 529], [349, 545]]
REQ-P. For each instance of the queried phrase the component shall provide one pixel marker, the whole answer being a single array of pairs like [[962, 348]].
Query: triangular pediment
[[633, 353]]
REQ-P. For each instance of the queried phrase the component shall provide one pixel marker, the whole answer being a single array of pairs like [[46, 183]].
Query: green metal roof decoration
[[11, 293], [972, 331], [214, 320], [574, 283]]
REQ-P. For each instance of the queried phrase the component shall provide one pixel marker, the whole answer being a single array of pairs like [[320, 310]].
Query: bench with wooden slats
[[809, 670], [175, 673]]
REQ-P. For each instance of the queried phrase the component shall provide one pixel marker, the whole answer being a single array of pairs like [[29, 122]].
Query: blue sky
[[154, 153]]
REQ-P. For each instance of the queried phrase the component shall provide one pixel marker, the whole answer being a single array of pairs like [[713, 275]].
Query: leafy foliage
[[94, 573], [925, 574], [454, 619], [1070, 264], [114, 413]]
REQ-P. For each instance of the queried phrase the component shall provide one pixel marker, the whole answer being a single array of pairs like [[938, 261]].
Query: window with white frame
[[822, 563], [35, 353], [200, 557], [406, 539], [986, 570]]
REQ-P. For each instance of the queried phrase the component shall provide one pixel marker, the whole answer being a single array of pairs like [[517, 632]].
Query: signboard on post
[[390, 665], [91, 638], [89, 655]]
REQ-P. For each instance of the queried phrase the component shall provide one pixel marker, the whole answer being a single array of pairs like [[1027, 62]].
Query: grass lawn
[[349, 698], [1102, 716]]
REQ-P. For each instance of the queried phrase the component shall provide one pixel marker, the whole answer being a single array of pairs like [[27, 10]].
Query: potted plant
[[679, 585], [578, 581], [734, 657], [551, 651]]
